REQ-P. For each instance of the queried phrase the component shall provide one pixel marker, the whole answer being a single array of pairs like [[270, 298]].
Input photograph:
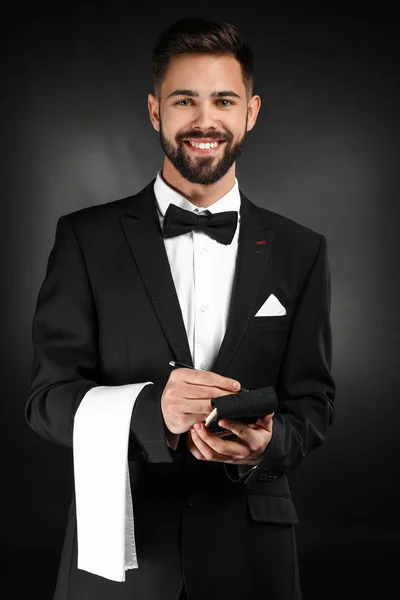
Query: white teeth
[[203, 146]]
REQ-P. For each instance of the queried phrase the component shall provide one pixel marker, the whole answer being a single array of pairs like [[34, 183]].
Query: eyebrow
[[221, 94]]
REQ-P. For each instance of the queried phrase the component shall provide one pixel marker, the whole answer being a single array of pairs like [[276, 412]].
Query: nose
[[205, 118]]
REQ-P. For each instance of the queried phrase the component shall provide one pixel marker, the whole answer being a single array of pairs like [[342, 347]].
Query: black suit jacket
[[108, 314]]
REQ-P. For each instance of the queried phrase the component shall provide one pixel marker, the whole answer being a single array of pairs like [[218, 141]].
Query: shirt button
[[204, 308], [203, 365], [203, 251]]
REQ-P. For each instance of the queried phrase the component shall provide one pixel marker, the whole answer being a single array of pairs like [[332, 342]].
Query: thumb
[[266, 421]]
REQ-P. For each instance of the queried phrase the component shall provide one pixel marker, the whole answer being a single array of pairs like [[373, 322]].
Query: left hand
[[247, 449]]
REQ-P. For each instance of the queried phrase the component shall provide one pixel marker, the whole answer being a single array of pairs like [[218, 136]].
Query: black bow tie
[[219, 226]]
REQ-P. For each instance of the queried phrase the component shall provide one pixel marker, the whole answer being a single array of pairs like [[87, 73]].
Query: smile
[[203, 147]]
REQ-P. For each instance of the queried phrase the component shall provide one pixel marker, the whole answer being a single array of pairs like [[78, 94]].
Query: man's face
[[203, 102]]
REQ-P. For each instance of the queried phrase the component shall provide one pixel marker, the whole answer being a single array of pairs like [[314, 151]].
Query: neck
[[201, 196]]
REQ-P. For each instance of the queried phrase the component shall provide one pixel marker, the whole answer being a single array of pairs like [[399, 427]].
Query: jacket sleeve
[[65, 356], [305, 387]]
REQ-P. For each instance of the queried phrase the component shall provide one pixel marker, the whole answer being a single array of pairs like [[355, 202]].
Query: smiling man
[[203, 109], [187, 270]]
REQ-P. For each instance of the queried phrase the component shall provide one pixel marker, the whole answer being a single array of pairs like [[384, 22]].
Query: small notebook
[[244, 406]]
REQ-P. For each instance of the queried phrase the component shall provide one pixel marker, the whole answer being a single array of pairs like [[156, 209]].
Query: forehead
[[203, 73]]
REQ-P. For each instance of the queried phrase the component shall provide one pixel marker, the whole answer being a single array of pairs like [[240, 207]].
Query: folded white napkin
[[104, 512], [271, 308]]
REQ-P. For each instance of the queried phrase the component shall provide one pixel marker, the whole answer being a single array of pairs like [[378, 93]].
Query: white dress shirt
[[203, 271]]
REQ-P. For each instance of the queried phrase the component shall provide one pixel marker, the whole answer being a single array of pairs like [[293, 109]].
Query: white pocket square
[[271, 308]]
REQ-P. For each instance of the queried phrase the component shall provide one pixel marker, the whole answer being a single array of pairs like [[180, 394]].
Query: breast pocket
[[276, 322]]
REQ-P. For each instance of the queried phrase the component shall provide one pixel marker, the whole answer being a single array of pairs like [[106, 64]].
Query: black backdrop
[[324, 152]]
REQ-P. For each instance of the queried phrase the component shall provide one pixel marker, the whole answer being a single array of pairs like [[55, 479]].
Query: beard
[[203, 170]]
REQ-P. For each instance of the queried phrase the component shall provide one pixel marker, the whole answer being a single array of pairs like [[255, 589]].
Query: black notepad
[[244, 406]]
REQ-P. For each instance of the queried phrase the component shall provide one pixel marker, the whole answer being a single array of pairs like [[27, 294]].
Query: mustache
[[227, 137]]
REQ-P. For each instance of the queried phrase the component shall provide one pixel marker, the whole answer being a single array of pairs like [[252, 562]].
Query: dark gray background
[[324, 152]]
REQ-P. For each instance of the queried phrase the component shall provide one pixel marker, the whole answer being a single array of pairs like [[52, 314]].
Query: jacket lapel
[[256, 240], [143, 233]]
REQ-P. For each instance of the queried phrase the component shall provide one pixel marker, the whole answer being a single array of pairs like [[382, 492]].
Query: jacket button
[[191, 501], [267, 477]]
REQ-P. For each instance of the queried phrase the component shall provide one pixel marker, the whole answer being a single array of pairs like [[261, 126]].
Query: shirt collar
[[166, 195]]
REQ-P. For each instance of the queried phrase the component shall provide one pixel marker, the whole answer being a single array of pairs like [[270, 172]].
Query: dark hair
[[201, 36]]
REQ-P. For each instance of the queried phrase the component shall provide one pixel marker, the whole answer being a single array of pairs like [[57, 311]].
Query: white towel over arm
[[104, 512]]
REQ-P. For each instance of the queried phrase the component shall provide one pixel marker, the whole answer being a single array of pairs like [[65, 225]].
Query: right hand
[[186, 398]]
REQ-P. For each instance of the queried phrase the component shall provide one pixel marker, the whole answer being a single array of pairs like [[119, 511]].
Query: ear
[[154, 111], [253, 108]]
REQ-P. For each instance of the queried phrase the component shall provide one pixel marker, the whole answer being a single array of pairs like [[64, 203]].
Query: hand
[[186, 398], [252, 441]]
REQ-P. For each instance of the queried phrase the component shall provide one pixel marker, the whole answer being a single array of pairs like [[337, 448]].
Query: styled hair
[[202, 36]]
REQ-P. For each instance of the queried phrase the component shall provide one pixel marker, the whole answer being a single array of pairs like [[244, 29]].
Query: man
[[188, 270]]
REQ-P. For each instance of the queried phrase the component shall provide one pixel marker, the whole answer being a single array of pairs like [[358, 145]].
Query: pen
[[213, 413]]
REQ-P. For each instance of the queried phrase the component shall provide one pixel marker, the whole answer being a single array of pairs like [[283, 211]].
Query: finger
[[202, 392], [240, 428], [198, 398], [266, 422], [193, 448], [198, 406], [205, 450], [253, 438], [208, 379], [217, 448], [210, 445]]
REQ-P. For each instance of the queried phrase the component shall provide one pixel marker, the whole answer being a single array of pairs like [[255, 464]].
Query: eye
[[226, 104]]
